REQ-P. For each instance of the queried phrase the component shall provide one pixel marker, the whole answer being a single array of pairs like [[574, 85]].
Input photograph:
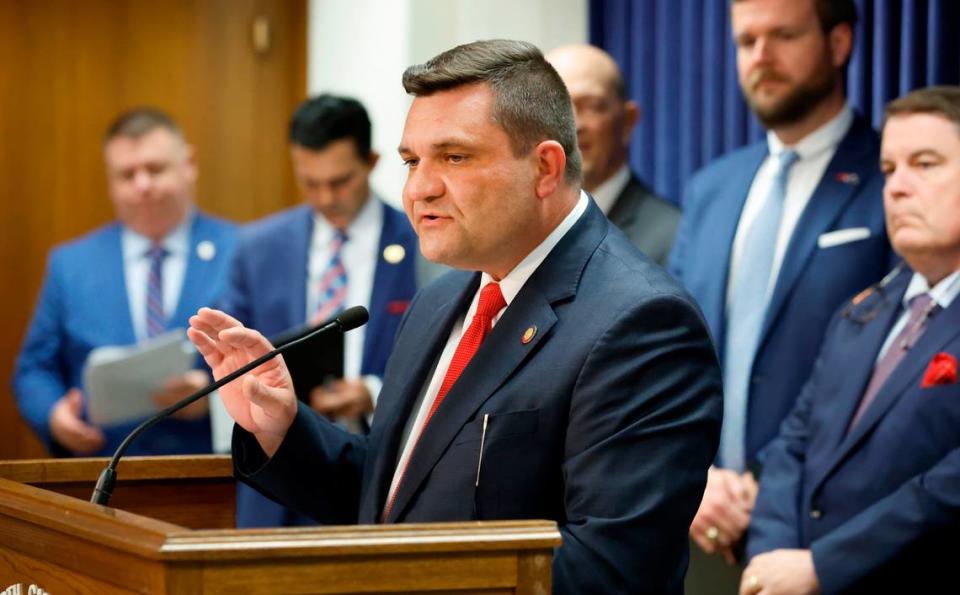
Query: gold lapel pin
[[394, 253], [529, 334]]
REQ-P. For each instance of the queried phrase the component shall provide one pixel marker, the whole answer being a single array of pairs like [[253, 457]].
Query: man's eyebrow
[[452, 143]]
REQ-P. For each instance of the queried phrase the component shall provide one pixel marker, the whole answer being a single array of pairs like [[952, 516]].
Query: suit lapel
[[423, 340], [116, 282], [941, 329], [722, 226], [293, 276], [502, 352], [195, 278], [829, 199], [385, 276], [624, 209], [864, 345], [499, 355]]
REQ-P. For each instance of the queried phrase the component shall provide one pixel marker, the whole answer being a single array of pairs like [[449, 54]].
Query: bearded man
[[775, 236]]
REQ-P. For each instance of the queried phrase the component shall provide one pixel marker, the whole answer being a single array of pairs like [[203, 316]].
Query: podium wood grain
[[64, 544]]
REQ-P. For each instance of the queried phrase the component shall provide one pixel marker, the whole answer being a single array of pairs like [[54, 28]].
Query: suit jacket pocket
[[499, 426], [839, 237]]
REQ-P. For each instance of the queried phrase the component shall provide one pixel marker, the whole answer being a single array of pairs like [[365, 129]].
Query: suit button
[[816, 513]]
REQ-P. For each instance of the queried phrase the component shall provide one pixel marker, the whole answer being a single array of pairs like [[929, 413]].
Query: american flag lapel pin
[[848, 177]]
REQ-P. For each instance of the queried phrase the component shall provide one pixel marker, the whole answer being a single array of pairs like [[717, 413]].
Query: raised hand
[[263, 401]]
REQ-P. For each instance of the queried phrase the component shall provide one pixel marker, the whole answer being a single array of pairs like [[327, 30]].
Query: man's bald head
[[585, 62], [605, 117]]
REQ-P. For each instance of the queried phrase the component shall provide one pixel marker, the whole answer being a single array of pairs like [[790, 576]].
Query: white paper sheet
[[119, 381]]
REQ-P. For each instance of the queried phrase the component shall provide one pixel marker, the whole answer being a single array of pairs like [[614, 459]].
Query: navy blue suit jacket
[[606, 421], [813, 281], [880, 506], [83, 304], [267, 291]]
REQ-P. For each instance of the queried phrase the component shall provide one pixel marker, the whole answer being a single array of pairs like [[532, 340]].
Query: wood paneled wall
[[68, 67]]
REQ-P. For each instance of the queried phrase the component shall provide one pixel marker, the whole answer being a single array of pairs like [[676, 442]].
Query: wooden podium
[[170, 532]]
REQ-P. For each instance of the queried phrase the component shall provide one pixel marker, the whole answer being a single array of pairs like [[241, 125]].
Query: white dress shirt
[[359, 256], [815, 151], [136, 270], [605, 195], [510, 286]]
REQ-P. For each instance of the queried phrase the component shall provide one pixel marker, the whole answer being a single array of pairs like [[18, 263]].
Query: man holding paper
[[122, 284]]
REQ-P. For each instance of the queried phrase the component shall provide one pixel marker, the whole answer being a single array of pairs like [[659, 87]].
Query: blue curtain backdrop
[[678, 60]]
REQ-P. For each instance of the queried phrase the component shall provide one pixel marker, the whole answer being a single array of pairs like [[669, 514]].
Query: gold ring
[[753, 581], [713, 534]]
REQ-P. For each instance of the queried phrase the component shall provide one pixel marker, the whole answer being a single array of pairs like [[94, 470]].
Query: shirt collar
[[606, 194], [827, 137], [513, 282], [176, 243], [943, 293]]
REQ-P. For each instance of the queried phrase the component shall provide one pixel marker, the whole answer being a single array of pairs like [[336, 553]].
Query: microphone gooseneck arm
[[348, 320]]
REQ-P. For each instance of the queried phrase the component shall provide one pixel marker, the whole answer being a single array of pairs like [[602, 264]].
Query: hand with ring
[[781, 572], [724, 513]]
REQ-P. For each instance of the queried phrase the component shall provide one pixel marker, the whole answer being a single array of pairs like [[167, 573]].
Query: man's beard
[[797, 103]]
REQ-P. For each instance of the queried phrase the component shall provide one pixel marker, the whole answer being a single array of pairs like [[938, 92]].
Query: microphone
[[347, 320]]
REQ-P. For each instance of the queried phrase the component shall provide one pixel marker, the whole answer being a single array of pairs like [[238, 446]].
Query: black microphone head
[[353, 317]]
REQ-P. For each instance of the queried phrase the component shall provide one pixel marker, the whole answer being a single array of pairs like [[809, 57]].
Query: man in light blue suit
[[122, 283], [282, 276], [776, 235], [861, 490]]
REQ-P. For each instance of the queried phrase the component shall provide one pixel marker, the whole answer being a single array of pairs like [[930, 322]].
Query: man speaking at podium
[[560, 375]]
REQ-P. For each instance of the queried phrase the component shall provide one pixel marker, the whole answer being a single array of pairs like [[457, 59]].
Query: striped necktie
[[156, 320], [332, 288]]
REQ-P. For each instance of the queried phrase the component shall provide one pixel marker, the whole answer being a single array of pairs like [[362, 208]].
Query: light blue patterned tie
[[156, 320], [746, 314]]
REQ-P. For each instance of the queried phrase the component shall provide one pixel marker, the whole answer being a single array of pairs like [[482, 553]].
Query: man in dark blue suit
[[861, 489], [776, 235], [568, 378], [344, 247], [97, 293]]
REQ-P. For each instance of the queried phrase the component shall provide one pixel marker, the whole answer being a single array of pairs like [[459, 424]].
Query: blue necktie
[[156, 320], [332, 290], [746, 314]]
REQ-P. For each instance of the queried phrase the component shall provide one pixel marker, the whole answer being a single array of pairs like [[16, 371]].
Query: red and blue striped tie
[[332, 290]]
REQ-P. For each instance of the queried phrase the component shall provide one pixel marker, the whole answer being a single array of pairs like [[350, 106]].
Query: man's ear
[[373, 159], [631, 116], [551, 163], [841, 44]]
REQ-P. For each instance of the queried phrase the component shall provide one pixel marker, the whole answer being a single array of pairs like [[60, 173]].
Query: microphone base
[[104, 488]]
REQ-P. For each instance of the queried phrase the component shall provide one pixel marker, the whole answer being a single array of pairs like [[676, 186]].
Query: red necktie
[[491, 302]]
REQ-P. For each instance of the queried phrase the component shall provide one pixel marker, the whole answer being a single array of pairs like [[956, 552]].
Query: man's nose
[[897, 184], [142, 180], [423, 183]]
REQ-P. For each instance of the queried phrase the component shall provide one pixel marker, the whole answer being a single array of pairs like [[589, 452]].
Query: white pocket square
[[842, 236]]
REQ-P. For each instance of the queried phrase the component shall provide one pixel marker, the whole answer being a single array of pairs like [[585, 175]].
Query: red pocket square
[[941, 370], [397, 306]]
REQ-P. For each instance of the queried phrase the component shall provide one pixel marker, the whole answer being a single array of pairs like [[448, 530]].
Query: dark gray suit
[[647, 219]]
